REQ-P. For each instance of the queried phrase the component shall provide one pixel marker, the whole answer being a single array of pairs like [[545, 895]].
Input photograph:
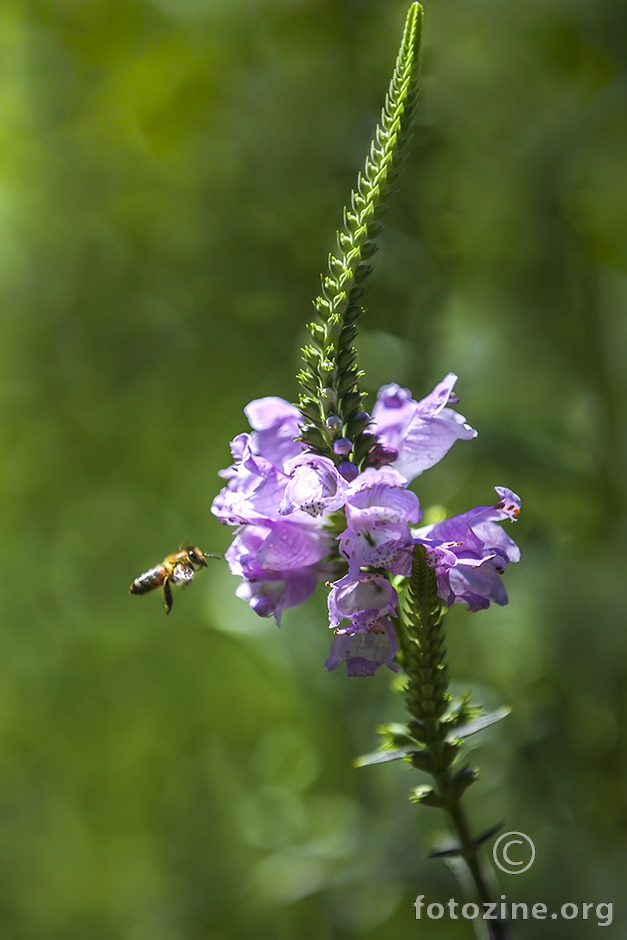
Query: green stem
[[421, 637], [457, 815]]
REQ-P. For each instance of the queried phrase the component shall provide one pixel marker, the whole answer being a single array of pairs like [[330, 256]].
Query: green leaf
[[479, 724], [381, 757], [451, 851], [396, 735], [485, 836]]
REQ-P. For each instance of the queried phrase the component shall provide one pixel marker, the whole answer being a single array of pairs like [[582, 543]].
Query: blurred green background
[[171, 176]]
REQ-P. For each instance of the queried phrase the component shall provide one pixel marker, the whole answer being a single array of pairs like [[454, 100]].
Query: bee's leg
[[167, 595]]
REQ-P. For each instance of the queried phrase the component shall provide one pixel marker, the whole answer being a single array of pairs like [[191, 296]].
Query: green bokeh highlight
[[171, 176]]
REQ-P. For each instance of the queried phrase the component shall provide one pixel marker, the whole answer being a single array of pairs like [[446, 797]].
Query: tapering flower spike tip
[[331, 403]]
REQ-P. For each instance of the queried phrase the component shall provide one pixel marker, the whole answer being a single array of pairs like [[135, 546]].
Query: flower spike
[[319, 493], [331, 403]]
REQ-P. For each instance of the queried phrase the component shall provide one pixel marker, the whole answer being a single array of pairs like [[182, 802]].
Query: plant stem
[[456, 813], [433, 719]]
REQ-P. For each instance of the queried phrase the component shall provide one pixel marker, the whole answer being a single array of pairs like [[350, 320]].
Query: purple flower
[[254, 491], [286, 503], [378, 512], [315, 486], [362, 599], [278, 566], [279, 559], [257, 478], [277, 425], [421, 432], [368, 640], [470, 552], [363, 653]]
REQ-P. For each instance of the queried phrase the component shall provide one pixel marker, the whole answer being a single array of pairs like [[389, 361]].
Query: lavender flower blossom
[[363, 653], [279, 559], [270, 583], [421, 432], [378, 513], [363, 600], [369, 640], [470, 552], [284, 499], [315, 486]]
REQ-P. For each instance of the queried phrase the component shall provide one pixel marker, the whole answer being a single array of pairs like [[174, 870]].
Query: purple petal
[[348, 470], [315, 486], [271, 597], [381, 504], [364, 653], [422, 432], [264, 413], [269, 591], [277, 425], [253, 493], [436, 400], [291, 546], [377, 533], [478, 586], [470, 552], [509, 502], [367, 594]]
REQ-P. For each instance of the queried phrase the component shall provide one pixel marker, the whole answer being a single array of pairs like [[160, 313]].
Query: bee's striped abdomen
[[148, 581]]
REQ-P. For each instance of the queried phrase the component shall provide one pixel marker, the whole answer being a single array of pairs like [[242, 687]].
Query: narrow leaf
[[478, 724], [485, 836], [381, 757], [451, 852]]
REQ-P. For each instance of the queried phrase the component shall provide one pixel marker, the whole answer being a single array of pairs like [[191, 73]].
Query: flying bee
[[178, 568]]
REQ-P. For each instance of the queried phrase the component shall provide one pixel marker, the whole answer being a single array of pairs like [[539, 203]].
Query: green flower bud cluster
[[331, 403]]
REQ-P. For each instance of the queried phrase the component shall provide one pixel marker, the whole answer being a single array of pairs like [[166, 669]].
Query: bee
[[178, 568]]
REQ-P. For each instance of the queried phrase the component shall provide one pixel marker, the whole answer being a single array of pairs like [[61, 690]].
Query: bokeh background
[[171, 176]]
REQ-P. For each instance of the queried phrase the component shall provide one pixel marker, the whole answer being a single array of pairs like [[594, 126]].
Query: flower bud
[[262, 605], [343, 446], [381, 455], [348, 470]]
